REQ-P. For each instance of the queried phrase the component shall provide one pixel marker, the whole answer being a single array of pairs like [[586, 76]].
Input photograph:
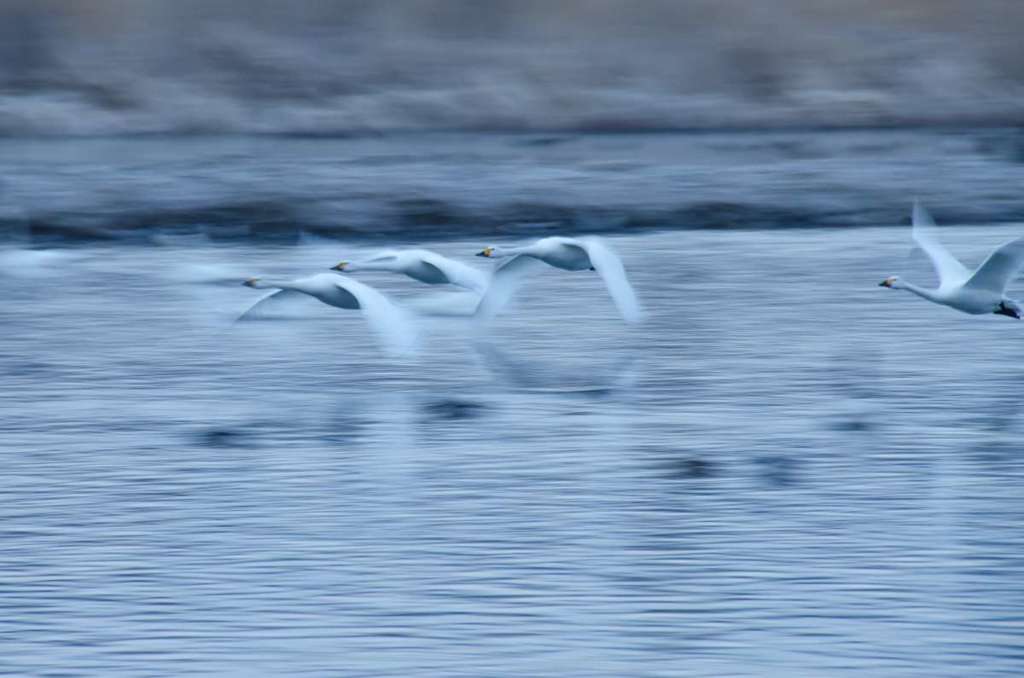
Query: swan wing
[[392, 324], [461, 304], [505, 282], [948, 268], [996, 272], [381, 257], [609, 267], [273, 303], [458, 273]]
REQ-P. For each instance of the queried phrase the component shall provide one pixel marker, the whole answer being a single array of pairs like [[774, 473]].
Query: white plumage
[[422, 265], [571, 254], [389, 321], [978, 292]]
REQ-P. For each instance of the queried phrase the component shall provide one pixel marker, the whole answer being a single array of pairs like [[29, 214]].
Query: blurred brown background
[[131, 66]]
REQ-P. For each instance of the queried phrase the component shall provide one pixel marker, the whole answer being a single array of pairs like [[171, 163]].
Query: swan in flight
[[978, 292], [384, 318], [423, 265], [571, 254]]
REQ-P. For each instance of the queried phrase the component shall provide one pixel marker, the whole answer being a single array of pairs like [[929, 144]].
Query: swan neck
[[368, 266], [274, 284], [919, 291]]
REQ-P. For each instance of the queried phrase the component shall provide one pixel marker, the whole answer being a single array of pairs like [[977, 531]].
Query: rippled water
[[786, 471]]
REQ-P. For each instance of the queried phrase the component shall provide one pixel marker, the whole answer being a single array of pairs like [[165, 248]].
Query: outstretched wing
[[381, 257], [609, 267], [457, 272], [996, 272], [393, 325], [505, 282], [460, 304], [273, 304], [948, 268]]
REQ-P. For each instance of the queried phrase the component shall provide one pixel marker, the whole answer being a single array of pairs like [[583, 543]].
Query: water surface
[[786, 471]]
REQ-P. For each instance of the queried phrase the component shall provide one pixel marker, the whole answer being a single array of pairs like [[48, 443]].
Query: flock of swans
[[979, 292], [393, 324]]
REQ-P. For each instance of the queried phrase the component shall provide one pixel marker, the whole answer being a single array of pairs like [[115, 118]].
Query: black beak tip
[[480, 254]]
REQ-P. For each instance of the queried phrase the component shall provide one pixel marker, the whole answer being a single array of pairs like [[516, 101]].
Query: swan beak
[[342, 265], [886, 283], [250, 282], [485, 252]]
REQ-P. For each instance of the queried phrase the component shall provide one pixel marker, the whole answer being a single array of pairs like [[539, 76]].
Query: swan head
[[341, 266], [251, 282], [1009, 308], [891, 282], [495, 252]]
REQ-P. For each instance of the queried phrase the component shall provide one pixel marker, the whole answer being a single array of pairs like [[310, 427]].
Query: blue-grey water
[[786, 471]]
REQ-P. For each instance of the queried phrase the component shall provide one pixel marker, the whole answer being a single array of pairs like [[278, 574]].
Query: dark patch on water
[[544, 141], [222, 437], [46, 231], [776, 470], [596, 393], [28, 368], [692, 468], [344, 428], [453, 409], [852, 425]]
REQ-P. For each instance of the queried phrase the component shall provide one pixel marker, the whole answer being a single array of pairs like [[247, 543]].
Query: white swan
[[384, 318], [423, 265], [571, 254], [983, 291]]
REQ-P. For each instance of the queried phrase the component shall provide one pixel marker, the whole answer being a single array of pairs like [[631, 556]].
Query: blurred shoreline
[[436, 186]]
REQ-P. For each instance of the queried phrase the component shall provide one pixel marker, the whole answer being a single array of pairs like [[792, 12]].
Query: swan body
[[384, 318], [422, 265], [570, 254], [975, 292]]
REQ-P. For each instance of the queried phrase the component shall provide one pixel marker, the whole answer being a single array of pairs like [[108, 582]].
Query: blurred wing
[[458, 273], [518, 373], [996, 272], [446, 304], [273, 304], [948, 268], [609, 267], [505, 282], [393, 325]]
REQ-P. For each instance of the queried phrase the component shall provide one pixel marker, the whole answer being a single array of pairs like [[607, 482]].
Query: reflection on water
[[789, 472]]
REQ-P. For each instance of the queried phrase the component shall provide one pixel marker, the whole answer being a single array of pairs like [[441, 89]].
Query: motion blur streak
[[263, 66]]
